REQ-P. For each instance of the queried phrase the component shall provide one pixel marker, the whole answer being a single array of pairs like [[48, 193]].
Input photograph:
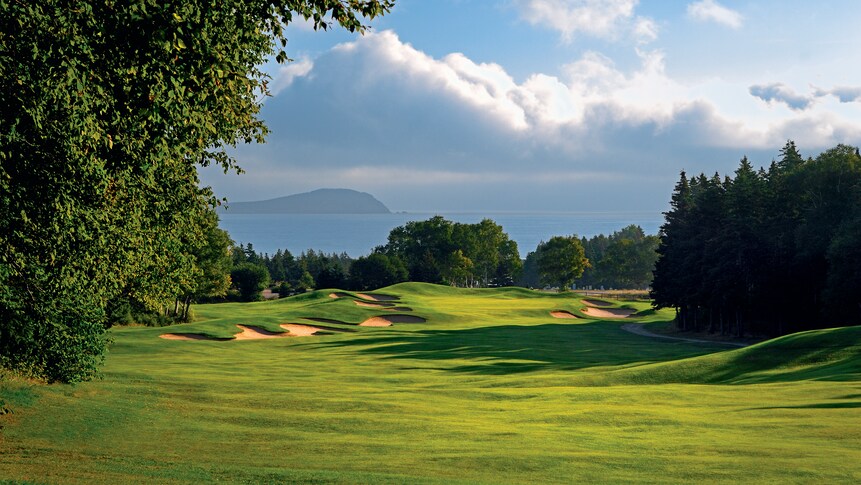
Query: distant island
[[321, 201]]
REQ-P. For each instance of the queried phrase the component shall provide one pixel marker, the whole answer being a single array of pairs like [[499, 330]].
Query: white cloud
[[606, 19], [483, 86], [377, 114], [285, 74], [710, 10], [593, 95]]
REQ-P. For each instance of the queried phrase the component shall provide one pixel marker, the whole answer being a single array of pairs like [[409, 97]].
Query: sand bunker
[[250, 332], [593, 302], [609, 312], [376, 322], [563, 314], [299, 330], [254, 333], [190, 336], [388, 320], [339, 295], [372, 305], [376, 297]]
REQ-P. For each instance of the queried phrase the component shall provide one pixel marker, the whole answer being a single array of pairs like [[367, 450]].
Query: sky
[[552, 105]]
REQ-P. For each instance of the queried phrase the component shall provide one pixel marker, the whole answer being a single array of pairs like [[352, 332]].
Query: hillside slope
[[832, 354]]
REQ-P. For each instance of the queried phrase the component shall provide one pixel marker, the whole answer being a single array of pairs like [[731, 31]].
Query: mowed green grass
[[491, 389]]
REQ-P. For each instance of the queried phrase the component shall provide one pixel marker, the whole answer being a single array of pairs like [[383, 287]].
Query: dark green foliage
[[561, 260], [625, 259], [250, 280], [376, 271], [331, 277], [312, 269], [529, 276], [765, 252], [108, 108], [469, 255], [306, 282]]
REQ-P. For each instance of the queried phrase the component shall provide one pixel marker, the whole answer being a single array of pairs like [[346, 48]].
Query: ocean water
[[359, 234]]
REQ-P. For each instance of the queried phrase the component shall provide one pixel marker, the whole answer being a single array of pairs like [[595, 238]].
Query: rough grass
[[491, 389]]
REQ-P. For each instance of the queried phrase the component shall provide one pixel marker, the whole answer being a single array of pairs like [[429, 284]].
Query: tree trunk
[[186, 309]]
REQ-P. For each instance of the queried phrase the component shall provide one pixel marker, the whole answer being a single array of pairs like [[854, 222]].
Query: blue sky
[[552, 105]]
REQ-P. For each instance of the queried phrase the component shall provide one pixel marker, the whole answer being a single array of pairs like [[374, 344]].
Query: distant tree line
[[766, 251], [445, 252], [434, 251], [286, 274], [622, 260]]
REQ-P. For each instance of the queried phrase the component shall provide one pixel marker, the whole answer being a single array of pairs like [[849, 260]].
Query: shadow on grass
[[510, 349], [822, 405]]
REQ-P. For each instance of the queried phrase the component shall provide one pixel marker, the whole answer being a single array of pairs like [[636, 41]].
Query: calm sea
[[359, 234]]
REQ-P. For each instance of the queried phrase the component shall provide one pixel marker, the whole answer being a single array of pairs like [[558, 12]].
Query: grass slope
[[830, 355], [490, 389]]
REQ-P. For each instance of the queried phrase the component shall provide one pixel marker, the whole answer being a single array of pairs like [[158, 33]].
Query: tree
[[625, 259], [440, 251], [561, 260], [424, 247], [108, 110], [250, 280], [331, 277], [667, 287], [305, 282], [629, 259], [375, 271], [213, 261], [530, 277], [510, 265]]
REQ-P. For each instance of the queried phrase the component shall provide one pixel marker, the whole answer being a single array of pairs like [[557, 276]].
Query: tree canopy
[[624, 259], [561, 260], [441, 251], [108, 110], [765, 251]]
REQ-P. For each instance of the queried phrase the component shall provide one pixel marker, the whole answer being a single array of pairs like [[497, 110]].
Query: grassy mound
[[830, 355]]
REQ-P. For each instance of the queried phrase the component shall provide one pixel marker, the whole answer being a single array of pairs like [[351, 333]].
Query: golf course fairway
[[418, 383]]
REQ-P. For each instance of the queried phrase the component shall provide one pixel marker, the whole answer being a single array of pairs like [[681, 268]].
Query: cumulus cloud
[[781, 93], [377, 114], [456, 111], [712, 11], [607, 19]]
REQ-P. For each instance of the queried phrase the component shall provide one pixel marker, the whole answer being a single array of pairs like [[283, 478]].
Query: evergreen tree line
[[284, 273], [766, 251], [622, 260]]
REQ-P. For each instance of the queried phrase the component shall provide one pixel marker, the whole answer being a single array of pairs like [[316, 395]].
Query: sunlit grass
[[491, 389]]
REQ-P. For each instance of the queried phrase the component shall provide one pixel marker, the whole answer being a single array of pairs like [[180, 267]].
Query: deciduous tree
[[561, 260], [108, 108]]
